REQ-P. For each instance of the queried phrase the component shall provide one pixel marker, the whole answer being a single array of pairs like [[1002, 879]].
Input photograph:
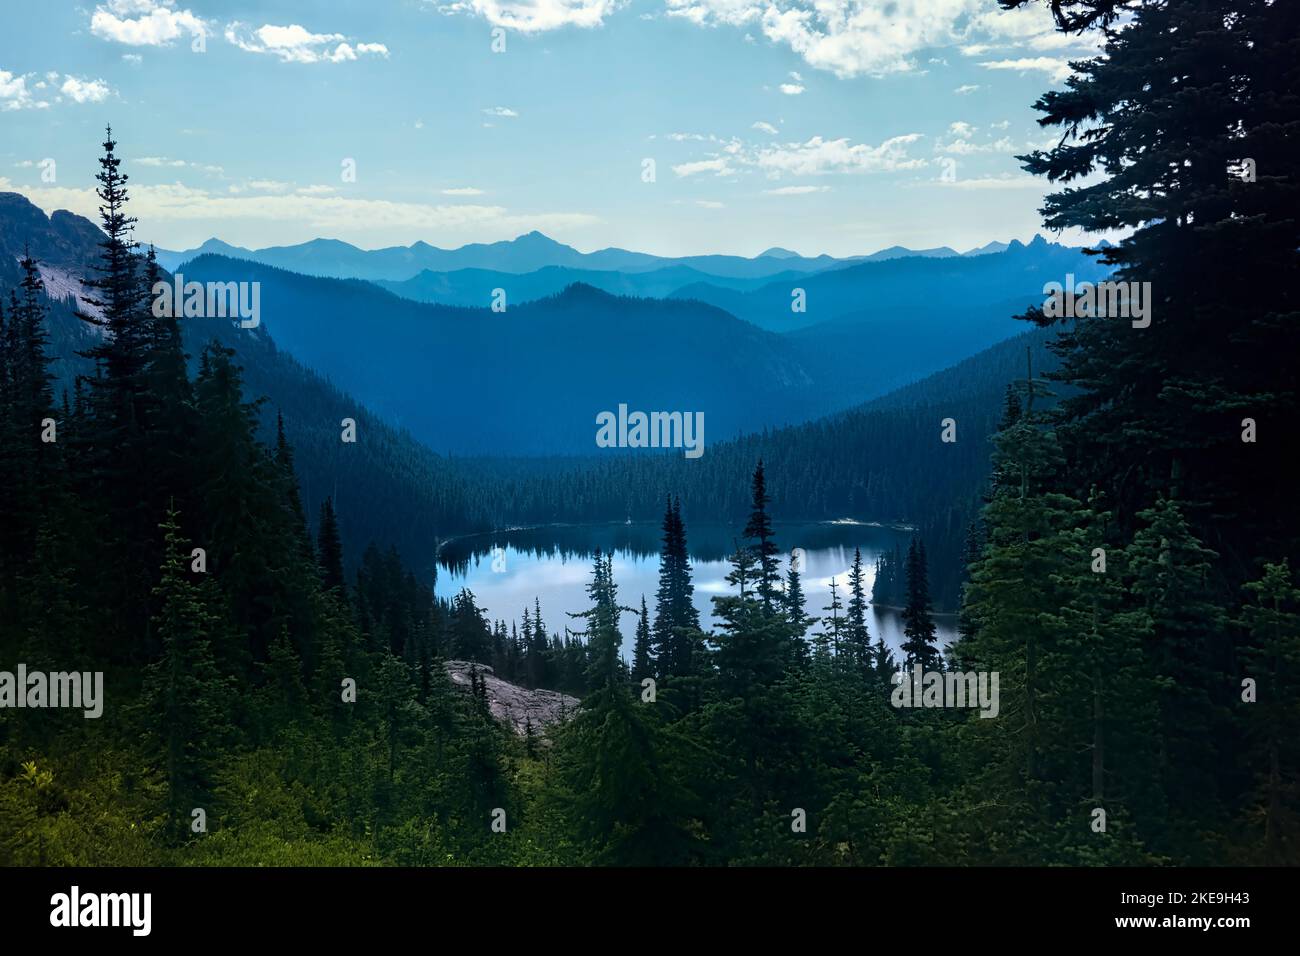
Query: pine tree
[[795, 611], [1272, 661], [1160, 409], [1171, 574], [857, 638], [642, 661], [759, 530], [918, 626], [830, 642], [329, 548], [185, 692], [624, 786], [676, 619], [115, 441]]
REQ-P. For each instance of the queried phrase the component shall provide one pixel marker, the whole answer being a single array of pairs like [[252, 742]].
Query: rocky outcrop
[[517, 706]]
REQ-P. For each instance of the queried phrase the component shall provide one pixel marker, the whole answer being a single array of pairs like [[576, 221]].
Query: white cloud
[[316, 190], [15, 94], [996, 182], [1058, 70], [708, 204], [165, 162], [875, 37], [145, 22], [463, 191], [269, 185], [718, 166], [961, 128], [964, 147], [814, 157], [966, 88], [296, 44], [847, 37], [791, 89], [820, 156], [537, 16], [795, 190], [764, 127], [500, 111], [84, 91], [135, 59]]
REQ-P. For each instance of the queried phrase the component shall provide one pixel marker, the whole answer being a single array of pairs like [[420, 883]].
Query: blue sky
[[840, 126]]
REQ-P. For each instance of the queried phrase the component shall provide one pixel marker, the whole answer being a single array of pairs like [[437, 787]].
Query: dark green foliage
[[918, 626]]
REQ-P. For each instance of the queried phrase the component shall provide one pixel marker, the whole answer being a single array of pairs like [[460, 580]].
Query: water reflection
[[507, 570]]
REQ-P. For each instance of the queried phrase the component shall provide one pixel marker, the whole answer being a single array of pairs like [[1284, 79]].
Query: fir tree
[[857, 637], [759, 530], [918, 626], [642, 662], [185, 693], [329, 548]]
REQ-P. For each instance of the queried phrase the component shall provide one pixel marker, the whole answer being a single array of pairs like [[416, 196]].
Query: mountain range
[[333, 258], [530, 380]]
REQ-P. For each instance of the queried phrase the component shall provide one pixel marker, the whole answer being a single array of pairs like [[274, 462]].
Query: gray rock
[[514, 704]]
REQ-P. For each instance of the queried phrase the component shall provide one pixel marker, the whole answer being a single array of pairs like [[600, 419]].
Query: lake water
[[506, 570]]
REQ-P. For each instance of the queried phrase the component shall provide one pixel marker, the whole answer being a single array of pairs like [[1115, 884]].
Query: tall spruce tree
[[329, 548], [676, 619], [857, 637], [919, 643], [759, 530], [1161, 408], [642, 661], [186, 693]]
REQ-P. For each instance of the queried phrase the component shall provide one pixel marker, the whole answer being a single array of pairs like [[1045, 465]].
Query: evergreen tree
[[115, 442], [329, 548], [795, 611], [623, 789], [642, 661], [918, 626], [857, 638], [759, 530], [185, 692], [1161, 408], [676, 619], [1272, 620]]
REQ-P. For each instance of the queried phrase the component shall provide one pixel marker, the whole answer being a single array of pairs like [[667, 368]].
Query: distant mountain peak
[[987, 249], [902, 252], [583, 290], [776, 252]]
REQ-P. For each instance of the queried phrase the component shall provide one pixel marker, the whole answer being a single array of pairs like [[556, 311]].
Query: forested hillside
[[417, 364], [885, 461], [388, 488]]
